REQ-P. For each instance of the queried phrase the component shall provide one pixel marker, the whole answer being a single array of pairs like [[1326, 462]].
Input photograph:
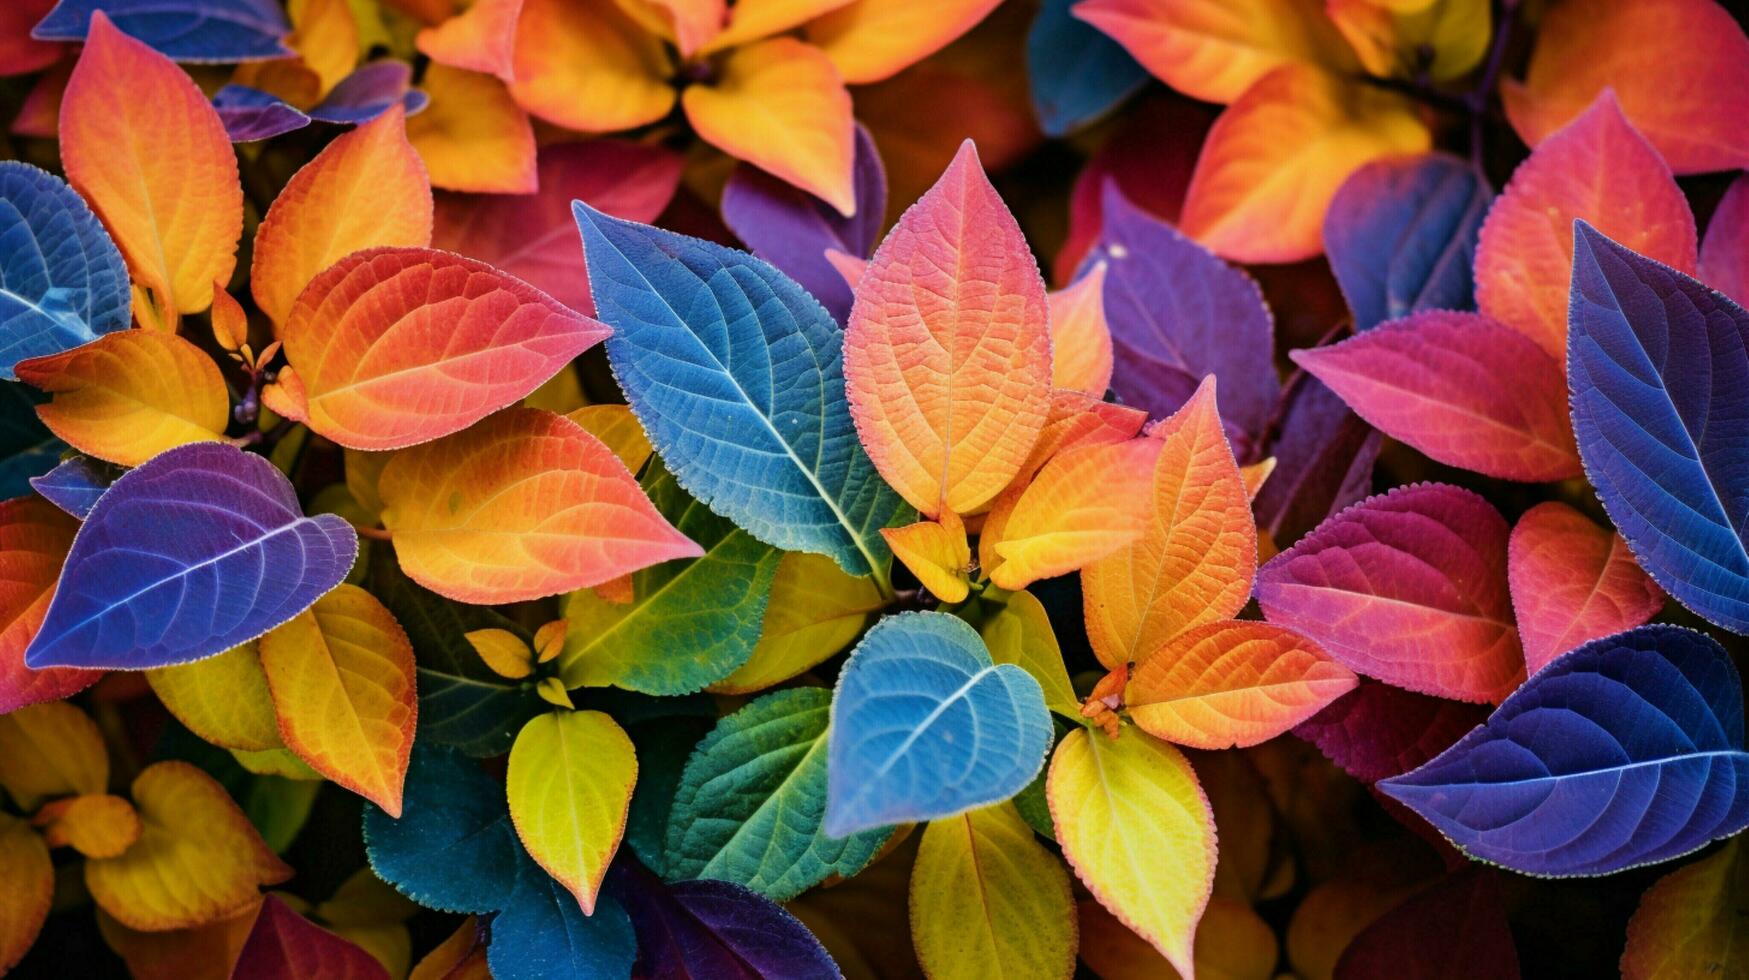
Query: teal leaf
[[542, 933], [453, 848]]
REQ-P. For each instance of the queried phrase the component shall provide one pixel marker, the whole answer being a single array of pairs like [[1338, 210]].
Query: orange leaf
[[230, 323], [1078, 419], [146, 148], [948, 372], [481, 38], [780, 105], [1084, 505], [690, 24], [1080, 336], [392, 347], [341, 675], [1195, 561], [96, 825], [937, 553], [871, 40], [130, 395], [34, 538], [29, 876], [326, 39], [750, 20], [523, 505], [473, 136], [199, 953], [583, 64]]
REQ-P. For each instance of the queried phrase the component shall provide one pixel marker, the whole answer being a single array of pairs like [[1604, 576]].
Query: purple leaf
[[250, 114], [185, 30], [195, 551], [368, 92], [1377, 731], [74, 485], [715, 929], [1324, 455]]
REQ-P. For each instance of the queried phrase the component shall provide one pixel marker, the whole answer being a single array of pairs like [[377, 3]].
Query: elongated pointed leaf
[[1627, 751], [1084, 504], [62, 281], [186, 30], [1724, 252], [1573, 582], [569, 783], [30, 873]]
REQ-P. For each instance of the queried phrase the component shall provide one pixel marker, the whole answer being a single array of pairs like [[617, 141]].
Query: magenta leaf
[[1324, 455], [1377, 731]]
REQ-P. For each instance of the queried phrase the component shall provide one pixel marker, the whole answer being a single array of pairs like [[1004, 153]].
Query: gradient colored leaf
[[474, 137], [197, 550], [1627, 751], [871, 40], [1324, 457], [937, 553], [949, 423], [585, 65], [480, 38], [341, 674], [1020, 633], [1076, 420], [168, 955], [745, 401], [1724, 252], [367, 93], [542, 932], [1377, 731], [1401, 236], [1461, 387], [926, 725], [453, 848], [1659, 375], [392, 347], [1408, 587], [1689, 922], [752, 798], [145, 147], [1455, 928], [1178, 314], [51, 749], [1137, 829], [1076, 73], [223, 699], [283, 945], [1573, 582], [1599, 170], [130, 395], [570, 782], [29, 875], [1275, 159], [34, 538], [988, 900], [1197, 554], [717, 929], [62, 281], [1085, 504], [251, 115], [321, 215], [1228, 684], [1679, 67], [813, 612], [186, 30], [198, 858], [1415, 38], [1081, 358]]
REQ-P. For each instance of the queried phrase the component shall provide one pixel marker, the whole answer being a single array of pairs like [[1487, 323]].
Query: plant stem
[[1490, 79]]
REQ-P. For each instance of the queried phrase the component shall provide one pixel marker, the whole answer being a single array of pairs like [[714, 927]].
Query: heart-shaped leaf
[[62, 281], [1573, 582], [186, 30]]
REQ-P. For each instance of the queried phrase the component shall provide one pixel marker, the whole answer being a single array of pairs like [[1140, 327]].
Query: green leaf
[[1020, 633]]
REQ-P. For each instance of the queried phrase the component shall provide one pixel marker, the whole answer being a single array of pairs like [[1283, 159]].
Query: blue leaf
[[368, 92], [1076, 72], [250, 114], [186, 556], [184, 30], [62, 281], [1658, 374], [926, 725], [1626, 751], [1401, 236], [738, 377], [74, 485], [542, 933], [454, 848], [715, 929]]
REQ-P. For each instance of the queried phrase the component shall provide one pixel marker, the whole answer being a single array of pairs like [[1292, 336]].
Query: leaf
[[1177, 315], [224, 699], [1138, 831], [690, 623], [618, 429], [937, 553], [926, 725], [541, 932], [1377, 731], [480, 38], [341, 674], [988, 900], [570, 782], [871, 40], [718, 929], [1197, 554], [1275, 159], [1087, 503], [752, 798], [474, 137], [321, 215], [1401, 235], [1461, 387], [1657, 370], [813, 611], [585, 65], [453, 847], [1324, 457], [97, 825], [1454, 928], [64, 281], [19, 52], [48, 750], [1442, 41], [949, 425], [1688, 923], [1596, 169], [283, 945], [743, 400], [523, 505], [251, 115], [1679, 67], [186, 30], [780, 105], [1081, 358], [1232, 684], [156, 166], [197, 860], [29, 874], [130, 395], [1408, 587], [34, 538], [430, 343], [1019, 633], [367, 93], [1724, 252], [196, 551], [1076, 73], [1573, 582]]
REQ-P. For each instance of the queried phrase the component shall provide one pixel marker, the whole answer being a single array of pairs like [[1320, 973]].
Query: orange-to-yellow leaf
[[523, 505], [947, 356], [48, 750], [689, 24], [619, 430], [473, 136], [460, 957], [870, 40], [341, 674], [230, 323], [27, 876], [198, 859], [1084, 505], [1134, 824], [96, 825], [780, 105], [1232, 683], [1274, 160], [503, 651], [147, 150], [223, 699], [937, 553], [751, 20], [364, 190], [34, 538], [1214, 50], [325, 36], [1195, 561], [392, 347], [481, 38], [1442, 40], [570, 783], [1078, 419], [1080, 336], [814, 611], [585, 65]]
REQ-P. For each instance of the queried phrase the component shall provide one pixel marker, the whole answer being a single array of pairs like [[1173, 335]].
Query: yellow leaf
[[503, 651], [1081, 357], [552, 691], [618, 429], [585, 65], [27, 878], [473, 136], [871, 40], [230, 323], [987, 900], [570, 781], [96, 825], [223, 699], [937, 552], [1084, 505], [1441, 40], [325, 38], [1020, 633], [750, 20], [814, 611], [363, 471], [1255, 475], [283, 763], [51, 749]]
